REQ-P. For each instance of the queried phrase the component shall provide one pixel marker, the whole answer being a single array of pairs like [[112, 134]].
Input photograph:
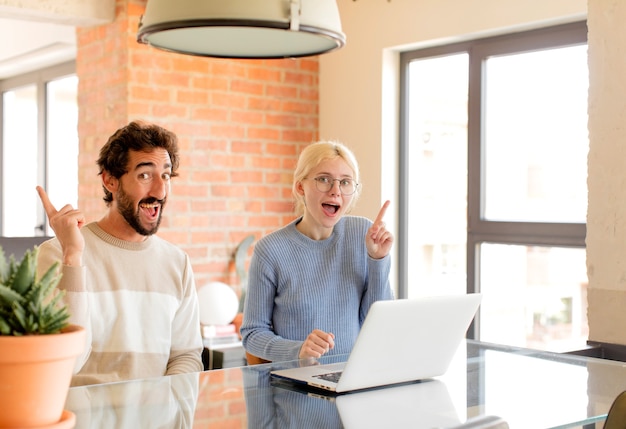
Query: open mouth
[[330, 209], [150, 209]]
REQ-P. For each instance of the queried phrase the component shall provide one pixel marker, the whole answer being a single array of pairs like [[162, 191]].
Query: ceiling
[[43, 45], [40, 33]]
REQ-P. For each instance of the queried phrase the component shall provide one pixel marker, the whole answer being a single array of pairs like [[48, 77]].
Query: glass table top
[[526, 388]]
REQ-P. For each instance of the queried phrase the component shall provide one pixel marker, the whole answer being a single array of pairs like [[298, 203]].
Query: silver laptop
[[400, 341], [417, 405], [425, 404]]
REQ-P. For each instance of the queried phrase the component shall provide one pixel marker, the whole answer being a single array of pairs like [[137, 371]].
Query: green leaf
[[5, 328], [4, 266], [29, 305], [50, 275], [8, 296], [25, 275], [20, 314]]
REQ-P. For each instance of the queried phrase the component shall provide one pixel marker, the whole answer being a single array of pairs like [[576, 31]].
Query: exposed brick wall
[[241, 125], [221, 401]]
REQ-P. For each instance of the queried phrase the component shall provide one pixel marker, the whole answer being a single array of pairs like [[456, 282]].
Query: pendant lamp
[[242, 28]]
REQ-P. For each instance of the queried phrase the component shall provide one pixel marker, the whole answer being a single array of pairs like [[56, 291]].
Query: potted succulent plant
[[38, 346]]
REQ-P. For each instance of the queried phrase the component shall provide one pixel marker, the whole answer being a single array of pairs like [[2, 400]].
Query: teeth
[[149, 205]]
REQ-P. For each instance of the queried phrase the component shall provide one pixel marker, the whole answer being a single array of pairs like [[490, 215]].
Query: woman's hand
[[378, 240], [317, 344]]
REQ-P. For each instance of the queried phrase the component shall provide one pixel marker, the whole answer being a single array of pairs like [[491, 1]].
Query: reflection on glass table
[[526, 388], [422, 404], [164, 402]]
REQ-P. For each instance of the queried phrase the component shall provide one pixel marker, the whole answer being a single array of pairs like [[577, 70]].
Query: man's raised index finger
[[47, 205], [381, 213]]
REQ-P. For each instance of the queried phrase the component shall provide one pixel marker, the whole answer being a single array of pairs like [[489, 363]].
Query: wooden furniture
[[255, 360], [616, 418]]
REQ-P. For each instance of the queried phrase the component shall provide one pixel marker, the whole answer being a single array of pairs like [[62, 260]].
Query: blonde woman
[[312, 282]]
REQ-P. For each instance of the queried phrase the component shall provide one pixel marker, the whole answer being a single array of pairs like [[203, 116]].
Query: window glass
[[62, 141], [535, 136], [533, 296], [438, 175], [493, 182], [19, 162]]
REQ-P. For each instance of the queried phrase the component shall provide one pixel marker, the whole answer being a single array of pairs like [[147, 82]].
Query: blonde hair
[[312, 156]]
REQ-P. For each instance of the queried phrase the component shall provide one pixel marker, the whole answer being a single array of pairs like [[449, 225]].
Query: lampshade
[[218, 304], [242, 28]]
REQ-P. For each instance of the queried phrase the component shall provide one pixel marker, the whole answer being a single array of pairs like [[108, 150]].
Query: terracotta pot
[[35, 374]]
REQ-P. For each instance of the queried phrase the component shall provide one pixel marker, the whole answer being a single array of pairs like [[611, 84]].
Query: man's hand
[[378, 240], [66, 224]]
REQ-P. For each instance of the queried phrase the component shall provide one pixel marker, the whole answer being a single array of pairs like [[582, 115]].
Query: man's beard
[[126, 208]]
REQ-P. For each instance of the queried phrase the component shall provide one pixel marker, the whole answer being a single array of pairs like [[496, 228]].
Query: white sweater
[[138, 303]]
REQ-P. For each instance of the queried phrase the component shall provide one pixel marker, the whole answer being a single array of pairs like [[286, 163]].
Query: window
[[38, 146], [493, 182]]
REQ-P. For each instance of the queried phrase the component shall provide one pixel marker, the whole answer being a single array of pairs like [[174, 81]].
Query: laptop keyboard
[[331, 376]]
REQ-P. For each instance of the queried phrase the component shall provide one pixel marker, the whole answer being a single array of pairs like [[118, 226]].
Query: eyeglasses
[[326, 183]]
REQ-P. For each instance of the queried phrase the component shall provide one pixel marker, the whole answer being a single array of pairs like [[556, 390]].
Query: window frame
[[480, 230]]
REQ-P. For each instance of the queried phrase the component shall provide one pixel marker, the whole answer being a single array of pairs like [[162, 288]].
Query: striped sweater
[[138, 304], [297, 284]]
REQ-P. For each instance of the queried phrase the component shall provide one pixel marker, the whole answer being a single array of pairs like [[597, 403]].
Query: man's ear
[[110, 182]]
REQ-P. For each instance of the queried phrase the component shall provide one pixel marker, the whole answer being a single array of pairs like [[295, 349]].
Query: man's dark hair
[[136, 136]]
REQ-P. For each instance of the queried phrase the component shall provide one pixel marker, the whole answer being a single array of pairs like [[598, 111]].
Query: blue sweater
[[297, 284]]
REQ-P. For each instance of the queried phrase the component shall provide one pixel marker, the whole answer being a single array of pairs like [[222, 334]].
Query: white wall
[[359, 83], [606, 215]]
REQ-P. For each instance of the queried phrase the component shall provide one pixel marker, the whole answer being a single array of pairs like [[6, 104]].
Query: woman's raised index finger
[[47, 205], [381, 213]]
